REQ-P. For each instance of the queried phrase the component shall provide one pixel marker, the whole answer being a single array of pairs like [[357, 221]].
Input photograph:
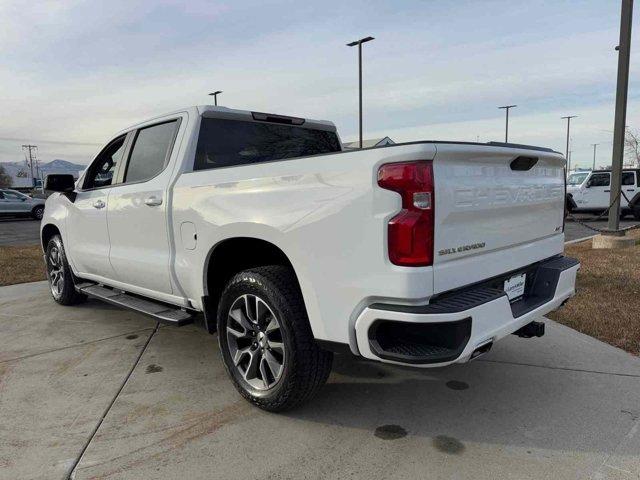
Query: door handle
[[98, 204], [630, 190], [607, 191], [153, 201]]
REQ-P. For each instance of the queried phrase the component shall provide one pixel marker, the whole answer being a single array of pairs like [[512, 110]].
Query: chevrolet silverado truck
[[260, 228]]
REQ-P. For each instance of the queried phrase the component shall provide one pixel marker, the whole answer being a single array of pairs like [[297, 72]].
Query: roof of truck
[[232, 113], [213, 111]]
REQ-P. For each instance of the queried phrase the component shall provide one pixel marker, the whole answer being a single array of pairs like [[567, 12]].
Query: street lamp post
[[568, 117], [594, 145], [215, 96], [506, 108], [359, 44]]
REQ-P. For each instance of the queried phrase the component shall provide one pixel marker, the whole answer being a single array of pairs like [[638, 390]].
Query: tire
[[59, 274], [636, 213], [262, 323], [37, 212]]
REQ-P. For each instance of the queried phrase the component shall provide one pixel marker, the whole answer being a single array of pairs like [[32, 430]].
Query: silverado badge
[[461, 248]]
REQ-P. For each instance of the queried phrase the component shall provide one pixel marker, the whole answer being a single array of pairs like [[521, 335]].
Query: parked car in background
[[420, 254], [14, 203], [590, 192]]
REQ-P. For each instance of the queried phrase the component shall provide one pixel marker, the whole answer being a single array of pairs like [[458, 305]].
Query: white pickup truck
[[261, 228]]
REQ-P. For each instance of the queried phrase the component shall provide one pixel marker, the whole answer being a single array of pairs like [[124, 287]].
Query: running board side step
[[162, 312]]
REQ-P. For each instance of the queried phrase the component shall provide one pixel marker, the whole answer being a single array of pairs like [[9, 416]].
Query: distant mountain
[[21, 175], [61, 164], [56, 164]]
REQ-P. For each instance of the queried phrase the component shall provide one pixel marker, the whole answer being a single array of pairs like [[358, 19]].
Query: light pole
[[623, 48], [506, 108], [568, 117], [594, 145], [215, 96], [359, 44]]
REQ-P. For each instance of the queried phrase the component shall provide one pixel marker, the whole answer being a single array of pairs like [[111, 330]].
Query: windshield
[[577, 178]]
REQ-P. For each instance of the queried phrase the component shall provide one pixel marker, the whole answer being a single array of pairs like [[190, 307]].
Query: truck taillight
[[410, 232]]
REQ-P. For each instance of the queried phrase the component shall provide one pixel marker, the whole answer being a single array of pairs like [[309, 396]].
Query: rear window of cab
[[225, 143]]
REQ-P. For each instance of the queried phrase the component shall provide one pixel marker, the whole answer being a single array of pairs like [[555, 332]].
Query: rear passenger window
[[628, 178], [150, 152]]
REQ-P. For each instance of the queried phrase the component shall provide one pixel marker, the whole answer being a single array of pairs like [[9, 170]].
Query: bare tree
[[5, 179], [632, 146]]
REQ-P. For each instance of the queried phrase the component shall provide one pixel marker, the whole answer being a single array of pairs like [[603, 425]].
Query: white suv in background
[[14, 203], [590, 191]]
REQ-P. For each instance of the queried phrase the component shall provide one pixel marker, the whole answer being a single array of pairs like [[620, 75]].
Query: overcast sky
[[75, 72]]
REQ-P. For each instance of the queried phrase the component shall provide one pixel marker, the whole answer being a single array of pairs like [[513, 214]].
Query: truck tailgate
[[494, 213]]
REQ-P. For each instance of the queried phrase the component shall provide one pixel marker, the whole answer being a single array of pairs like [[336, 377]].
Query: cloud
[[594, 125], [435, 68]]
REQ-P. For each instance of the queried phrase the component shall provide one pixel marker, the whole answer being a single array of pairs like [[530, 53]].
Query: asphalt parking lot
[[574, 231], [19, 231], [105, 393]]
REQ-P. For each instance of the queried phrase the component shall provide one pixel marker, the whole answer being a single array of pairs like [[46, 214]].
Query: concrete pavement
[[564, 406]]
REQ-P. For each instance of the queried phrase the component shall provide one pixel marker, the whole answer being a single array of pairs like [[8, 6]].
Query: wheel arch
[[570, 202], [230, 256], [47, 233]]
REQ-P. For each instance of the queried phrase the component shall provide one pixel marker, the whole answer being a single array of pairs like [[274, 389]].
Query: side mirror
[[60, 182]]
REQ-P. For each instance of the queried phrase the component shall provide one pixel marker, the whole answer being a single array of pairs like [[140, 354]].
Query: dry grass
[[21, 264], [607, 305]]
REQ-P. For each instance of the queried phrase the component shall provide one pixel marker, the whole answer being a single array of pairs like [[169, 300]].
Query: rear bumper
[[457, 323]]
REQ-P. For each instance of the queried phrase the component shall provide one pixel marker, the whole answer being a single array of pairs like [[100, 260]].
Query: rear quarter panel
[[325, 213]]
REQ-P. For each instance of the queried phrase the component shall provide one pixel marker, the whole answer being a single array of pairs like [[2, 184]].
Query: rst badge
[[461, 248]]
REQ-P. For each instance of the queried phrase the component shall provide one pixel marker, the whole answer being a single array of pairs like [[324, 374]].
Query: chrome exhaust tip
[[481, 350]]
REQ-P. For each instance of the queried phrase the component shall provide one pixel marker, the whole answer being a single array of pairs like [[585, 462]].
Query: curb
[[578, 240]]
